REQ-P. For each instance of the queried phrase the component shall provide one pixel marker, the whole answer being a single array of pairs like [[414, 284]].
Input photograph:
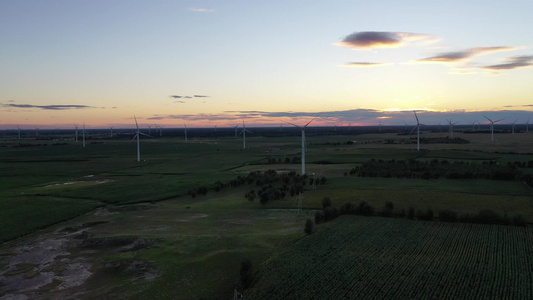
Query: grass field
[[134, 231]]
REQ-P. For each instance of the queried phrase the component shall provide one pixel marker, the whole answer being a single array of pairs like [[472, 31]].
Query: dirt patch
[[119, 243], [51, 266]]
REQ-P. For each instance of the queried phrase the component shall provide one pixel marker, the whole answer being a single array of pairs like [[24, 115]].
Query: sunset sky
[[214, 63]]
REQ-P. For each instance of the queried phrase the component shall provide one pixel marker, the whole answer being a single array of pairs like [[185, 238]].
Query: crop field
[[384, 258], [95, 223]]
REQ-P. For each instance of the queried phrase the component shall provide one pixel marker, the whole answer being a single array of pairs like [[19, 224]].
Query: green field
[[131, 229], [384, 258]]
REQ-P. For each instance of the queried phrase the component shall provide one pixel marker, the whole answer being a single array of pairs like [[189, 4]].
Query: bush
[[519, 220], [447, 215], [308, 226], [326, 202], [347, 209], [319, 217], [411, 213], [330, 213], [388, 209], [364, 209], [426, 216], [487, 216]]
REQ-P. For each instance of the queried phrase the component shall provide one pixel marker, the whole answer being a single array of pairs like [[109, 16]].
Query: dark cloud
[[200, 96], [364, 64], [48, 107], [180, 101], [512, 63], [175, 96], [457, 56], [353, 116], [380, 39]]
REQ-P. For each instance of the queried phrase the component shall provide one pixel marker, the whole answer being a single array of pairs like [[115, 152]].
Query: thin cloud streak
[[364, 64], [512, 63], [460, 56], [201, 10], [48, 107]]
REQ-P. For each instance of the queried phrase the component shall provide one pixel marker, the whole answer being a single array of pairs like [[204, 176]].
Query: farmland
[[95, 223], [384, 258]]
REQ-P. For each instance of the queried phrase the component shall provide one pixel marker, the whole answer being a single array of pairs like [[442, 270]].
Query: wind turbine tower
[[76, 136], [450, 129], [83, 132], [243, 132], [417, 132], [138, 137], [303, 142], [514, 125], [492, 127]]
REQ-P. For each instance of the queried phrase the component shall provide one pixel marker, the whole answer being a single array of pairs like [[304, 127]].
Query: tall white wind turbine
[[492, 127], [76, 136], [83, 132], [138, 137], [236, 126], [514, 125], [303, 141], [450, 129], [417, 132], [243, 132]]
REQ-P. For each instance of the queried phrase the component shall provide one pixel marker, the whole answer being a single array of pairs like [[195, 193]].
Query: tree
[[326, 202], [246, 273], [309, 226]]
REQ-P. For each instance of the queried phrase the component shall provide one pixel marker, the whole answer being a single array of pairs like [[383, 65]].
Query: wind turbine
[[18, 130], [492, 127], [138, 136], [111, 128], [450, 129], [303, 141], [83, 132], [243, 132], [36, 131], [149, 129], [236, 126], [514, 124], [76, 137], [417, 132]]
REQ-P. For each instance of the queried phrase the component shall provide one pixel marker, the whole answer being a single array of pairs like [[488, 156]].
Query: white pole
[[303, 150]]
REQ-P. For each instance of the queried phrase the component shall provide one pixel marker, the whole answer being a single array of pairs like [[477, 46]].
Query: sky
[[217, 63]]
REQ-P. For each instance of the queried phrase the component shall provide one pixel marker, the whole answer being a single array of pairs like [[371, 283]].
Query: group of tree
[[484, 216], [435, 169], [271, 185]]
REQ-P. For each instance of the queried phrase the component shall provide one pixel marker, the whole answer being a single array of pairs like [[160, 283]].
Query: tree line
[[435, 169]]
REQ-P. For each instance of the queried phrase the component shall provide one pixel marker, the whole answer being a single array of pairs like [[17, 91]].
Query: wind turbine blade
[[412, 130], [488, 118], [136, 123], [416, 117], [312, 120], [497, 121], [293, 124], [145, 134], [134, 137]]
